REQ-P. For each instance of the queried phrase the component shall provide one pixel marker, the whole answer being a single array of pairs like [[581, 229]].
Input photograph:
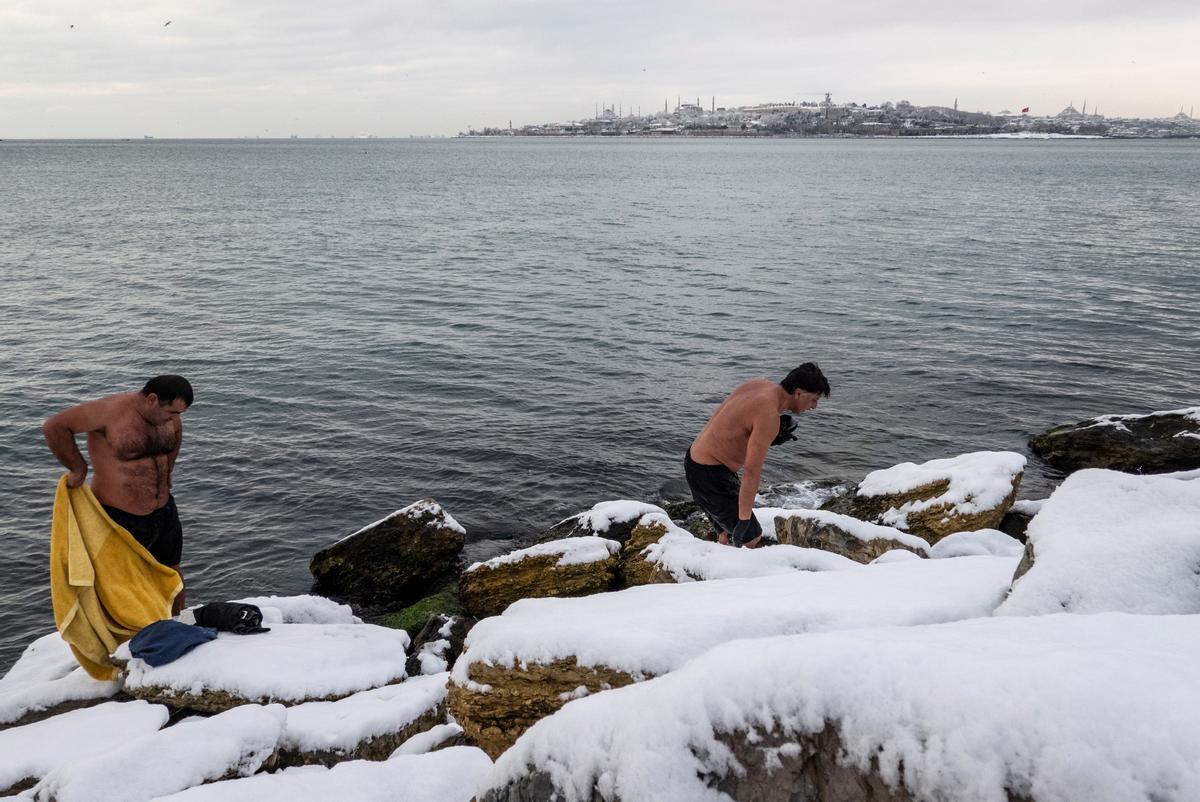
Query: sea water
[[520, 328]]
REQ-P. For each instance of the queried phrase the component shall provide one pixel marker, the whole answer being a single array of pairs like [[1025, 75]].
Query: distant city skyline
[[273, 69]]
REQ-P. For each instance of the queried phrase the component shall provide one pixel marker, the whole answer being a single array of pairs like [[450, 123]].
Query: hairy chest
[[135, 440]]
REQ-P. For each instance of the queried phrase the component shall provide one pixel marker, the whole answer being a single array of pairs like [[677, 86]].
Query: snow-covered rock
[[448, 775], [235, 743], [613, 520], [970, 544], [302, 609], [937, 498], [895, 556], [1111, 541], [573, 566], [1153, 443], [292, 663], [442, 735], [659, 551], [525, 664], [857, 540], [368, 725], [1050, 709], [30, 752], [47, 680], [397, 559]]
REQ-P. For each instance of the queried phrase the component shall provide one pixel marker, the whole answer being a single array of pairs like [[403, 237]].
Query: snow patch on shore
[[342, 725], [45, 675], [1056, 708], [570, 551], [654, 629], [291, 663], [448, 775], [977, 481], [1111, 541]]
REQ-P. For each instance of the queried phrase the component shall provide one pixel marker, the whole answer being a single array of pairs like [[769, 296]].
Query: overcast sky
[[267, 68]]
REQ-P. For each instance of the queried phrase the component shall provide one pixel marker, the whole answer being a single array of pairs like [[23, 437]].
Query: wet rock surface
[[635, 569], [397, 560], [1156, 443]]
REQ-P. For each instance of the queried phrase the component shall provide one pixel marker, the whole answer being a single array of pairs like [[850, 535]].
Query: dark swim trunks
[[160, 532], [715, 490]]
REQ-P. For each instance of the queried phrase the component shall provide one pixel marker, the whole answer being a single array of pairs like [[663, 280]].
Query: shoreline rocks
[[1158, 442], [396, 560], [942, 496], [844, 535], [575, 566]]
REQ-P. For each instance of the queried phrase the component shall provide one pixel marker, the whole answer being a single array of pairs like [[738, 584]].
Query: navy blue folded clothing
[[240, 619], [166, 641]]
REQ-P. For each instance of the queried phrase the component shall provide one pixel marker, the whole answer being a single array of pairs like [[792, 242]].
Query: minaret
[[714, 105], [1083, 111], [956, 104]]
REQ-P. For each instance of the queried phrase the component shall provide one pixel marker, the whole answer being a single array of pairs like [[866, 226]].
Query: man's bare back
[[726, 436], [736, 438]]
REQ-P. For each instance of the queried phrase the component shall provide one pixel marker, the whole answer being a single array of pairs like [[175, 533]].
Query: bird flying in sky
[[165, 24]]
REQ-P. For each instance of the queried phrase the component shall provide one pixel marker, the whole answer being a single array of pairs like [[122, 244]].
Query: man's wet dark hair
[[168, 388], [809, 378]]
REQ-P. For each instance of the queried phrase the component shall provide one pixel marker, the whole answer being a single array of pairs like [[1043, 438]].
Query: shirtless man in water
[[133, 440], [736, 437]]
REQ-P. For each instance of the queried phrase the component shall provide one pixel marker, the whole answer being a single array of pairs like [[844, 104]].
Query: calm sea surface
[[523, 328]]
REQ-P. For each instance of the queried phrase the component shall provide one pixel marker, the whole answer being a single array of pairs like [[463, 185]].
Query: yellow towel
[[104, 585]]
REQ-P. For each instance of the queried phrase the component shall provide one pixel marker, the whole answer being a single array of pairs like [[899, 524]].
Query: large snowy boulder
[[292, 663], [525, 664], [1111, 541], [449, 775], [613, 520], [396, 560], [574, 566], [46, 680], [857, 540], [368, 725], [1043, 709], [942, 496], [1153, 443], [30, 752], [235, 743], [659, 551]]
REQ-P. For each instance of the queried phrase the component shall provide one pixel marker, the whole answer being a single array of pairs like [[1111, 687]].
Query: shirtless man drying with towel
[[133, 440], [737, 436]]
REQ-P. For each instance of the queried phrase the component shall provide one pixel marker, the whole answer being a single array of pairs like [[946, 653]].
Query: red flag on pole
[[1025, 110]]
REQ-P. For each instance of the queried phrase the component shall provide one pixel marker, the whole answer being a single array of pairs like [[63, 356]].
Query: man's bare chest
[[130, 441]]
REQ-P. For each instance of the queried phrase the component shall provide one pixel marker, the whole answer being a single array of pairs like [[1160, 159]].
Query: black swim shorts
[[715, 490], [160, 532]]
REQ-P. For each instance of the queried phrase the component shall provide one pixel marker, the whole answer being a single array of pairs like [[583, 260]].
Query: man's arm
[[765, 428], [60, 430]]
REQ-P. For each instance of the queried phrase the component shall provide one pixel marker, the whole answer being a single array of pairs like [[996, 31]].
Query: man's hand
[[745, 531], [787, 429], [76, 478]]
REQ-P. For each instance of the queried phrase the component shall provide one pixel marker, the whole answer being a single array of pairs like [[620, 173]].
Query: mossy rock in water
[[1154, 443], [413, 618], [394, 561]]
